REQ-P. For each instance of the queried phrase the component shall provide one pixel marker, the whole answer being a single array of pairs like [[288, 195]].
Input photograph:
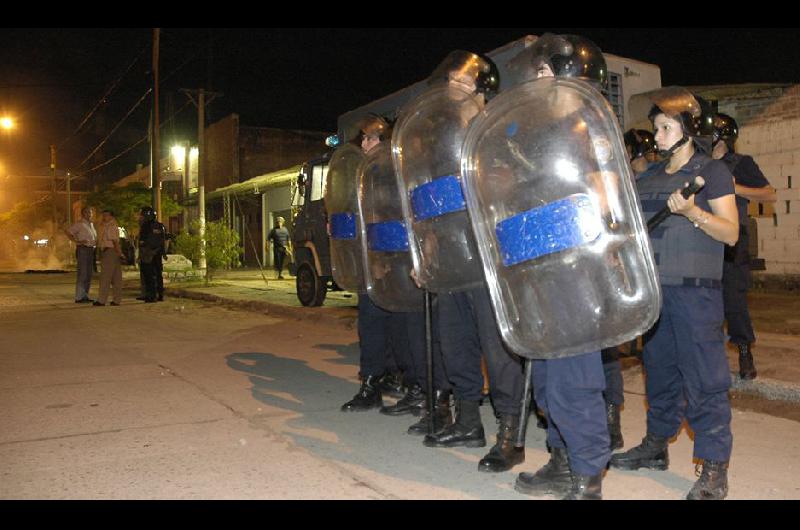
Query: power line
[[117, 126], [103, 99]]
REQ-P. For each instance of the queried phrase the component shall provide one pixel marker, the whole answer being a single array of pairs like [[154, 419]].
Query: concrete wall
[[769, 123]]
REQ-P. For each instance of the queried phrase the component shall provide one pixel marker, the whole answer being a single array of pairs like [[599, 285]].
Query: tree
[[222, 246], [126, 201]]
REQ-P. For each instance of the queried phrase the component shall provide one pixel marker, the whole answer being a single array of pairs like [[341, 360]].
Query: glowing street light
[[6, 123]]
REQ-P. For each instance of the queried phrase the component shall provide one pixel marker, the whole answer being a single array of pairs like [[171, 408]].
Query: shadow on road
[[368, 439]]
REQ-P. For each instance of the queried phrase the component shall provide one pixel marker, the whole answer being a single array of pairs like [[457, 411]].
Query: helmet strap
[[671, 151]]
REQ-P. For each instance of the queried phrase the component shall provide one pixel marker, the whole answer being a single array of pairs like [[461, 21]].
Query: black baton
[[429, 359], [524, 405], [686, 192]]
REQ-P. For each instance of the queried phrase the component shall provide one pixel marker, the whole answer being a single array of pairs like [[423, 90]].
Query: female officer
[[684, 353]]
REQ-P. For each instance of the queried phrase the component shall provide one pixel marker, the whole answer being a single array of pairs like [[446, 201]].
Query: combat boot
[[504, 455], [467, 431], [712, 484], [614, 426], [392, 385], [652, 453], [442, 417], [552, 479], [585, 488], [747, 367], [412, 403], [368, 397]]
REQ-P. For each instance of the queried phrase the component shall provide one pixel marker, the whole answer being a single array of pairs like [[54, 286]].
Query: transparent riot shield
[[384, 239], [557, 220], [341, 203], [426, 147]]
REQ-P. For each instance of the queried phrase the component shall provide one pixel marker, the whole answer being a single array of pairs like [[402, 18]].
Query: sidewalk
[[775, 314]]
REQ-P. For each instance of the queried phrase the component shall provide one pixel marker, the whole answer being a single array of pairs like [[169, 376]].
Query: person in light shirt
[[84, 235], [110, 259]]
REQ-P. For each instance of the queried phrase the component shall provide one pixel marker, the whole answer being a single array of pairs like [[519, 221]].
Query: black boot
[[368, 397], [552, 479], [585, 488], [747, 368], [614, 427], [467, 431], [652, 453], [412, 403], [503, 456], [712, 484], [442, 417], [392, 385]]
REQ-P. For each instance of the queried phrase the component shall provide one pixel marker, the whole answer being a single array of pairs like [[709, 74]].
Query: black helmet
[[725, 129], [566, 55], [694, 113], [640, 142], [148, 213], [480, 68]]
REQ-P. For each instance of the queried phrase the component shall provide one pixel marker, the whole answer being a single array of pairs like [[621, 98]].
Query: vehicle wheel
[[311, 289]]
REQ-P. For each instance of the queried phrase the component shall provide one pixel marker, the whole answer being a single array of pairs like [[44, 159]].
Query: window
[[318, 177], [615, 96]]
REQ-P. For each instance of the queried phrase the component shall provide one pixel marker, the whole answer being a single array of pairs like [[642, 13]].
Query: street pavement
[[190, 399]]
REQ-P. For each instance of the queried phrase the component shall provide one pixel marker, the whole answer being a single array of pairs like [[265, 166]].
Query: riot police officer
[[152, 236], [750, 184], [579, 446], [684, 353], [642, 149], [448, 261], [383, 334]]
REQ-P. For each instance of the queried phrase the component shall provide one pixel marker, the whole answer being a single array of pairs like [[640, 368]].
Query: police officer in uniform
[[570, 390], [384, 333], [750, 185], [467, 325], [642, 149], [152, 235], [684, 353]]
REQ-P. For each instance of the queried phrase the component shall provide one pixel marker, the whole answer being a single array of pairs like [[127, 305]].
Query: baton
[[429, 360], [686, 192], [524, 405]]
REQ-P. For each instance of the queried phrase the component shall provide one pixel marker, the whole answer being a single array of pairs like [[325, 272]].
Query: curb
[[771, 389], [336, 316]]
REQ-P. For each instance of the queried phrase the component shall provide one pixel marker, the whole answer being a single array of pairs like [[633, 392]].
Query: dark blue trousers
[[467, 329], [735, 282], [383, 338], [570, 393], [687, 371]]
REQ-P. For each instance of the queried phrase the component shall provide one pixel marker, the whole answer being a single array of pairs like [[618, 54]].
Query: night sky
[[292, 78]]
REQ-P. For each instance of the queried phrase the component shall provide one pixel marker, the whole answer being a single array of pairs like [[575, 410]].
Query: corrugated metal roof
[[259, 183], [742, 90]]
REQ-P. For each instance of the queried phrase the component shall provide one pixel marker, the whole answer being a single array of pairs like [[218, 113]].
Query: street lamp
[[6, 123]]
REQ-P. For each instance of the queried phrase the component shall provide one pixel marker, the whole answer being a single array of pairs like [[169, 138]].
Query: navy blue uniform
[[684, 353], [570, 393], [467, 327], [736, 268], [384, 338], [152, 235], [612, 369]]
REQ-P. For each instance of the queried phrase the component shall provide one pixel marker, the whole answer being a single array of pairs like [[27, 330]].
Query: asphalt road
[[189, 400]]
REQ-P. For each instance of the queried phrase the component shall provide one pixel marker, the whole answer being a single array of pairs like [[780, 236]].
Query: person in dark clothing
[[750, 184], [152, 235], [279, 239]]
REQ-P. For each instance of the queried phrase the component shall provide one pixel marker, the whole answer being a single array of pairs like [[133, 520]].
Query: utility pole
[[53, 185], [155, 170], [69, 201], [201, 103], [185, 184]]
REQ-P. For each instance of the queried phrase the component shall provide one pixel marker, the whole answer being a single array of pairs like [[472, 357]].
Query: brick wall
[[769, 131]]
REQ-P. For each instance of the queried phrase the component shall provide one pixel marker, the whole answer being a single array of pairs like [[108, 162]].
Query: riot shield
[[557, 220], [341, 203], [384, 239], [426, 147]]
